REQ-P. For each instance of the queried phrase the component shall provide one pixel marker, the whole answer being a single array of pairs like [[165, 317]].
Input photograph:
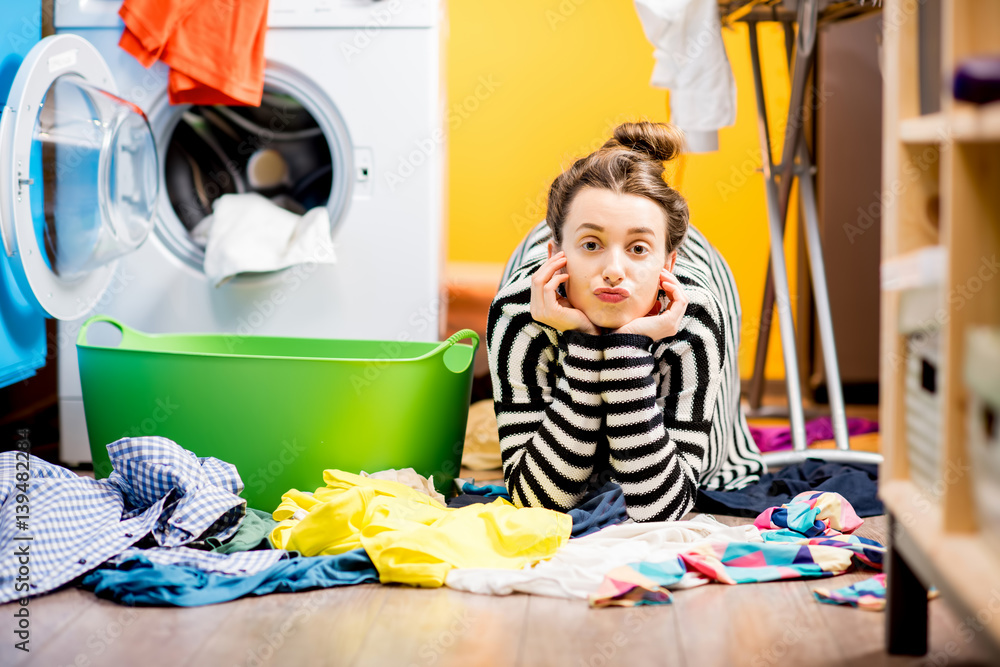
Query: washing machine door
[[97, 158]]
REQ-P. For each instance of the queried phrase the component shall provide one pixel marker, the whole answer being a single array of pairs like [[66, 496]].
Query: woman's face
[[615, 249]]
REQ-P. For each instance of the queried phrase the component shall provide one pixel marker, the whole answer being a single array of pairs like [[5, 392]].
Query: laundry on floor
[[856, 482], [168, 528], [812, 513], [866, 594], [250, 233], [579, 566], [157, 493], [411, 537], [139, 580], [215, 50]]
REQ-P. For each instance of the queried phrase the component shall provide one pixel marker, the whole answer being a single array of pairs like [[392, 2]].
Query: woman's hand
[[668, 322], [548, 307]]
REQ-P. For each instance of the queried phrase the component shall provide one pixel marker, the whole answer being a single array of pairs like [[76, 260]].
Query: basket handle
[[453, 339], [127, 334]]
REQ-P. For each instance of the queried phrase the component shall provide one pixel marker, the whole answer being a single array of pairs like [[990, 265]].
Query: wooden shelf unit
[[941, 186]]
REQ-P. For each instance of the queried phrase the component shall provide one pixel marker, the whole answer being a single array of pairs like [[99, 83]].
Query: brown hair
[[631, 162]]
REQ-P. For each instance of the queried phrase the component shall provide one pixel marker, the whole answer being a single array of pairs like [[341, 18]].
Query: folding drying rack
[[796, 162]]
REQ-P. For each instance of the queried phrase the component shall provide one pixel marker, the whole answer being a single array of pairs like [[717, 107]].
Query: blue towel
[[138, 581], [491, 491], [473, 495], [857, 482]]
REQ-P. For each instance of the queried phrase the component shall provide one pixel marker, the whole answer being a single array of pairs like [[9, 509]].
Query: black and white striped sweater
[[660, 418]]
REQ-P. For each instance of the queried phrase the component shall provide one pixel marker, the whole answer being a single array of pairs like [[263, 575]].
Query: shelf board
[[962, 566], [928, 129], [966, 123]]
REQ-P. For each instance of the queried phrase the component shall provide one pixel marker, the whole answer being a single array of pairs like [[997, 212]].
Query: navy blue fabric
[[138, 581], [857, 482], [600, 508], [469, 499]]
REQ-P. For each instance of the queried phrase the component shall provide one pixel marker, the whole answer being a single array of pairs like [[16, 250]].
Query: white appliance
[[365, 77]]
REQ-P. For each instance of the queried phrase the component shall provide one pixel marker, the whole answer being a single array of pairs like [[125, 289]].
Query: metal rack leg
[[807, 196], [778, 271]]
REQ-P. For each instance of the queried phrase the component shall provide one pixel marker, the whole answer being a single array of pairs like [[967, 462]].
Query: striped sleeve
[[658, 447], [548, 405]]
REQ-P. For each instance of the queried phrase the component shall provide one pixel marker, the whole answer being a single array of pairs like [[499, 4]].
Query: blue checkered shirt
[[56, 525]]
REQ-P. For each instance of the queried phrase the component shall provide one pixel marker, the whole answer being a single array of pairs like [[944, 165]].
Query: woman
[[613, 343]]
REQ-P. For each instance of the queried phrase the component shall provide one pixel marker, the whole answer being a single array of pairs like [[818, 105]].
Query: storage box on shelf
[[917, 277], [982, 362]]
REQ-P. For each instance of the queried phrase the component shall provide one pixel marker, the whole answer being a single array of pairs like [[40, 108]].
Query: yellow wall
[[532, 85]]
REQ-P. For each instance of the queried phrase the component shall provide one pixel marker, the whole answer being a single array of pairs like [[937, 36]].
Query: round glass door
[[100, 185], [78, 176]]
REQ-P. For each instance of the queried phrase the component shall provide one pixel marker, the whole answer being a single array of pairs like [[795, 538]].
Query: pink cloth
[[773, 438]]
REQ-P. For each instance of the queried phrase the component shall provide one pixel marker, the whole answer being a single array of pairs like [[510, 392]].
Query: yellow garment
[[410, 537]]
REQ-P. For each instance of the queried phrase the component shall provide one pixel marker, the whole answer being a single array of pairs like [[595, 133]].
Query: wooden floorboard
[[776, 623]]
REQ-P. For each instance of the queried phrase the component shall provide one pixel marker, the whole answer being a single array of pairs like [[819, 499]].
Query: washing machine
[[353, 109]]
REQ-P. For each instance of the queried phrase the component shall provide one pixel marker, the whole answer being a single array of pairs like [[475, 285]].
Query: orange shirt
[[215, 48]]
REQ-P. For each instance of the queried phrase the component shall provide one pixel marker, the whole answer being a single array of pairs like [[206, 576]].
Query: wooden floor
[[776, 623]]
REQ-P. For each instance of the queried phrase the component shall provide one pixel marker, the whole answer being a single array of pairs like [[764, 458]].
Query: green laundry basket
[[282, 410]]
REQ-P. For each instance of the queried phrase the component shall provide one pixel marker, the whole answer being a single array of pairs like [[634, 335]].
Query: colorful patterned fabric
[[628, 585], [865, 550], [868, 594], [812, 513], [722, 562], [805, 542], [736, 563]]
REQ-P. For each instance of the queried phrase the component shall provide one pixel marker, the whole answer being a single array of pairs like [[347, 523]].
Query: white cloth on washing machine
[[691, 62], [249, 233]]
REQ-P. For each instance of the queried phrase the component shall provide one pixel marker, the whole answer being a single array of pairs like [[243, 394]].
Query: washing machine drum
[[277, 150]]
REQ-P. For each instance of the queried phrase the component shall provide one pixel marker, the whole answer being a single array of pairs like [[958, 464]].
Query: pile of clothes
[[169, 528]]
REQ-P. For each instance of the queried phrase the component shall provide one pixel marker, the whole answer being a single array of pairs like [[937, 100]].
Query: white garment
[[411, 478], [691, 62], [578, 567], [248, 232]]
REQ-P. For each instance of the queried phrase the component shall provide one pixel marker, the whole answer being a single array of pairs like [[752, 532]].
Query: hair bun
[[661, 141]]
